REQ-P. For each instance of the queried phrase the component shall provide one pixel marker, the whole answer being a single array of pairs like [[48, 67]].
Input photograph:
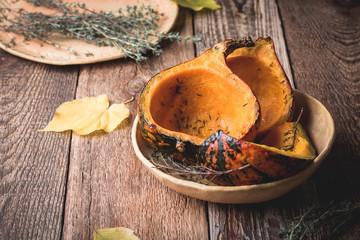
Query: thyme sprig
[[292, 134], [334, 216], [134, 30], [197, 173]]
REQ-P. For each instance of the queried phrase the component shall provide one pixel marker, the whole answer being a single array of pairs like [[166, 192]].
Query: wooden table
[[51, 183]]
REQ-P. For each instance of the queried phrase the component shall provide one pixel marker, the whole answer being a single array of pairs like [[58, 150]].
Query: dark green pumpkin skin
[[273, 164], [167, 144], [221, 152]]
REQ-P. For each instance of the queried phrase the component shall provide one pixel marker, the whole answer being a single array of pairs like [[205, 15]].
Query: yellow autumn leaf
[[87, 115], [119, 233], [198, 5]]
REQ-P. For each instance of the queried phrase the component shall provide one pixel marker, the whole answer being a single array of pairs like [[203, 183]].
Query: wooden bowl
[[319, 126]]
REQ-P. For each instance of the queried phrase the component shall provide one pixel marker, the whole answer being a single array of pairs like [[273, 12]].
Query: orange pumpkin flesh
[[281, 136], [278, 159], [197, 103], [191, 101], [259, 67]]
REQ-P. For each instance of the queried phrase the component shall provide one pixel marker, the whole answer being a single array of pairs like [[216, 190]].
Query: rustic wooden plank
[[237, 19], [324, 45], [108, 186], [33, 164]]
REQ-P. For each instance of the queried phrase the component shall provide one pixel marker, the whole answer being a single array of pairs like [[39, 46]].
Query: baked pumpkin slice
[[259, 67], [284, 152], [279, 154], [179, 108]]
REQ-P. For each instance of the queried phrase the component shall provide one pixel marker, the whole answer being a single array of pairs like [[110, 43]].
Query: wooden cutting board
[[38, 51]]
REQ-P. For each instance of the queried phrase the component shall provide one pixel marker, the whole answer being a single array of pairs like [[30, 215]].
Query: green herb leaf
[[198, 5], [119, 233]]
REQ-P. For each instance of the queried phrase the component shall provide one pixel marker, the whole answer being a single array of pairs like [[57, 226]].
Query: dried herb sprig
[[196, 173], [134, 29], [292, 134], [334, 216]]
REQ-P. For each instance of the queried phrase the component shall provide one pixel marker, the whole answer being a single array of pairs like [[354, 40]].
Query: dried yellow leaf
[[87, 115], [119, 233], [198, 5]]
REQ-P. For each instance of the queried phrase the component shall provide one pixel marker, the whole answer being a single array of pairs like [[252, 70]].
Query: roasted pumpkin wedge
[[288, 155], [283, 155], [259, 67], [182, 106], [221, 152]]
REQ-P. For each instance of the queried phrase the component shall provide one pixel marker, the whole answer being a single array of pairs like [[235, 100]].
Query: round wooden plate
[[37, 51], [319, 126]]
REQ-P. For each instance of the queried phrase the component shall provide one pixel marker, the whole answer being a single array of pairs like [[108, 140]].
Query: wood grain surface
[[108, 186], [33, 165], [52, 184], [325, 57]]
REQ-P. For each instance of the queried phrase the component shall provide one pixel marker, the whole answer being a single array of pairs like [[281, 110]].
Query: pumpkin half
[[259, 67], [179, 108], [284, 152]]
